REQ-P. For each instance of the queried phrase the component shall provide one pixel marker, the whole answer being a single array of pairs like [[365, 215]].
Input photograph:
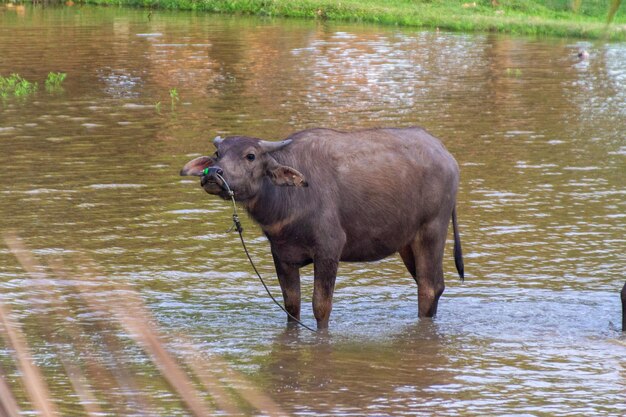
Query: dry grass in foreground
[[204, 384]]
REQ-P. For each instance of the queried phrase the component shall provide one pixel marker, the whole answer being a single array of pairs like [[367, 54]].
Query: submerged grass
[[54, 81], [174, 97], [16, 86], [582, 19]]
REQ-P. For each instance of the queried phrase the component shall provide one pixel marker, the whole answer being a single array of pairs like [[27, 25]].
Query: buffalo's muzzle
[[212, 171], [211, 175]]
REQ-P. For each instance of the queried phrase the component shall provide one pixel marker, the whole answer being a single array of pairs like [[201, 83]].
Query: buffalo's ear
[[284, 175], [196, 166]]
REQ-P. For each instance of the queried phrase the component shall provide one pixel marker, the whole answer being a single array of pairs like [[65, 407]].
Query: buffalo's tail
[[458, 252], [624, 308]]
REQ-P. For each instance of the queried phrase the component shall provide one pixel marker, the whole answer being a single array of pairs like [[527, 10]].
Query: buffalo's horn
[[217, 141], [268, 146]]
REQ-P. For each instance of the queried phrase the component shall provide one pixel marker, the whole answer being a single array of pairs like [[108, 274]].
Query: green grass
[[174, 98], [54, 81], [16, 86], [571, 18]]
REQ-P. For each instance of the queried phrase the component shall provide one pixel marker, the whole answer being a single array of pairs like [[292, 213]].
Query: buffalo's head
[[241, 165]]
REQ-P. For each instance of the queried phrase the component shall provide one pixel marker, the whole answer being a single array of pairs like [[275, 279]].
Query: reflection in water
[[394, 375], [539, 136]]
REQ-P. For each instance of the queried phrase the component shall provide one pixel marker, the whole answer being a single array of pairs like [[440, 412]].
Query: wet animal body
[[323, 196]]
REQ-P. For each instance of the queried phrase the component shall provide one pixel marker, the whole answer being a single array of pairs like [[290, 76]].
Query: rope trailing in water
[[239, 229]]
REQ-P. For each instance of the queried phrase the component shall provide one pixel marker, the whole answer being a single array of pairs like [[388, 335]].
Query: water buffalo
[[323, 196]]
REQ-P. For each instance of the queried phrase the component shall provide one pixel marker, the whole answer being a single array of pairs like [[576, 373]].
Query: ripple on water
[[193, 211], [115, 185], [136, 106], [46, 191]]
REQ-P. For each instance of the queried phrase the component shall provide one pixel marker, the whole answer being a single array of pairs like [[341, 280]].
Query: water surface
[[539, 135]]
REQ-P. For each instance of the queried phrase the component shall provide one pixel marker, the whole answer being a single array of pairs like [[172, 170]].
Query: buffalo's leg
[[289, 279], [624, 308], [325, 273], [406, 253], [428, 252]]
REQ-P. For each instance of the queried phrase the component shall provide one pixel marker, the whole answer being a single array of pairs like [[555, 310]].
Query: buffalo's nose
[[211, 174], [212, 171]]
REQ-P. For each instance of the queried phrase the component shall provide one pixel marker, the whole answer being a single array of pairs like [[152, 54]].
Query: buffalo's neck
[[272, 206]]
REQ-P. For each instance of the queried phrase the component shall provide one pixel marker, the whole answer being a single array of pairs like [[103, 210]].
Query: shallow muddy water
[[540, 138]]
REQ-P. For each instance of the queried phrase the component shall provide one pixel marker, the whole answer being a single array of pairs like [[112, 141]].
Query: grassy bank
[[571, 18]]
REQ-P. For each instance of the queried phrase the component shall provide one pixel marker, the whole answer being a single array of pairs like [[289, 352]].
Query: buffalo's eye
[[250, 157]]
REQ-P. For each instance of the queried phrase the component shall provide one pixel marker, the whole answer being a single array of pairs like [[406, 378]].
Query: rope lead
[[237, 224], [239, 229]]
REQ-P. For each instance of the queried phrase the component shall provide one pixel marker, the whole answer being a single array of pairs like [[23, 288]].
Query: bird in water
[[582, 54]]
